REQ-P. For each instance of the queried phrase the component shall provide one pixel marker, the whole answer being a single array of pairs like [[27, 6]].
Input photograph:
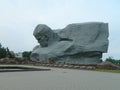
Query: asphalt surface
[[59, 79]]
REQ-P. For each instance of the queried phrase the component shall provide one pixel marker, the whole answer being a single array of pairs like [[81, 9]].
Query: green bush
[[112, 60]]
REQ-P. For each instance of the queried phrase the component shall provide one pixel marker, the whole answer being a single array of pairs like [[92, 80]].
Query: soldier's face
[[43, 40]]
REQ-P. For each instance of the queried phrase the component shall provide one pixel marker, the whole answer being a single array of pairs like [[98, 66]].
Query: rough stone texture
[[76, 43]]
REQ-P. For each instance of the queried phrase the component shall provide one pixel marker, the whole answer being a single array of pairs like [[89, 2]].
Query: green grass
[[104, 70]]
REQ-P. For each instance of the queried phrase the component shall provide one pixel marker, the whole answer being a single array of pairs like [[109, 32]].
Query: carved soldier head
[[44, 35]]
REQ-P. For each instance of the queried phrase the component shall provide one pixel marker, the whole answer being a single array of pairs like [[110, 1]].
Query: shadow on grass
[[12, 68]]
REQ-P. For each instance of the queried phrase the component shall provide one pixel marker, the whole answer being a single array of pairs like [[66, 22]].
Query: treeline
[[112, 60], [26, 54], [5, 52]]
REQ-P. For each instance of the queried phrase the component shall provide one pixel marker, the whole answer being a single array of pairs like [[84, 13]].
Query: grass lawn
[[104, 70]]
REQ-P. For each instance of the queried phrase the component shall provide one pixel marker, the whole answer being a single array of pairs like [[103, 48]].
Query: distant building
[[18, 55]]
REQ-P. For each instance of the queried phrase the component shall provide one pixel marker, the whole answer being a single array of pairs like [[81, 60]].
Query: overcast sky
[[18, 19]]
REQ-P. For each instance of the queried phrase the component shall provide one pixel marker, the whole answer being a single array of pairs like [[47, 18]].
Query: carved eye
[[39, 38]]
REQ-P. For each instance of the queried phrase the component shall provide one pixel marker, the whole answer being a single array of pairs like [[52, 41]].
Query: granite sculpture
[[79, 43]]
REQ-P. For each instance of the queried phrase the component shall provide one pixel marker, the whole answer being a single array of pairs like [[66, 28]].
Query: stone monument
[[79, 43]]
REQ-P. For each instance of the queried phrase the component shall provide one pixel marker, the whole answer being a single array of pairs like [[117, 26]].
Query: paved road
[[59, 79]]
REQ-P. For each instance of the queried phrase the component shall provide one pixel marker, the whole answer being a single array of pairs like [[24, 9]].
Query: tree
[[8, 52], [2, 51], [11, 54], [0, 46], [26, 54], [112, 60], [5, 52]]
